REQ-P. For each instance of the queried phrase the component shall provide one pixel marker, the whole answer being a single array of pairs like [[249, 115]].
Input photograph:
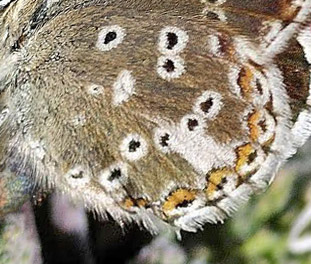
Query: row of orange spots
[[253, 126], [244, 156], [183, 197]]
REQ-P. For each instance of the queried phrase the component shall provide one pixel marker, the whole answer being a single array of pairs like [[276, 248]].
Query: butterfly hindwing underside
[[153, 110]]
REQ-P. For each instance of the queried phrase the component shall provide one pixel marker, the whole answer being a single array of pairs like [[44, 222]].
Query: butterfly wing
[[160, 108]]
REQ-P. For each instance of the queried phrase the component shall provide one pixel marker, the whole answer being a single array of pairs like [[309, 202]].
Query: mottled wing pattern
[[146, 110]]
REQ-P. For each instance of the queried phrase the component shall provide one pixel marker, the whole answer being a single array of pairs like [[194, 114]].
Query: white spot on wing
[[79, 120], [114, 177], [77, 177], [104, 43], [95, 89], [214, 45], [123, 88], [199, 149], [181, 41], [170, 67], [134, 147], [215, 102]]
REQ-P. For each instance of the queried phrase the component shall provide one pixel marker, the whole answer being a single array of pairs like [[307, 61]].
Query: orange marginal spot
[[216, 176], [244, 153], [211, 188], [245, 80], [128, 203], [141, 202], [253, 125], [214, 179], [178, 197]]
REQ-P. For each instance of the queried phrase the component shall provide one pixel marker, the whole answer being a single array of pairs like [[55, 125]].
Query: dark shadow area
[[107, 243], [58, 247], [112, 245]]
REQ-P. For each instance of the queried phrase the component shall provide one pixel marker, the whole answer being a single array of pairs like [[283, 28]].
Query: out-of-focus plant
[[19, 243]]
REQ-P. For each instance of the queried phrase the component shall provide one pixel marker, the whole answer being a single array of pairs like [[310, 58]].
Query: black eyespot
[[212, 15], [111, 36], [164, 140], [206, 106], [172, 40], [169, 66], [192, 123], [115, 174], [77, 175]]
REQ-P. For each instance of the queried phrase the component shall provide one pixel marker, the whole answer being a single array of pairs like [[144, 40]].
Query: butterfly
[[155, 112]]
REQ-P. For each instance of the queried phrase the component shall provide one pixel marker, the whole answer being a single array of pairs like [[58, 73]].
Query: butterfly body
[[154, 108]]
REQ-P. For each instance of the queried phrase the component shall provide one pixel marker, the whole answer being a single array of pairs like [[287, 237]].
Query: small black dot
[[192, 123], [259, 87], [164, 140], [183, 204], [252, 157], [110, 37], [172, 40], [205, 106], [115, 174], [222, 183], [169, 66], [78, 175], [263, 126], [134, 145]]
